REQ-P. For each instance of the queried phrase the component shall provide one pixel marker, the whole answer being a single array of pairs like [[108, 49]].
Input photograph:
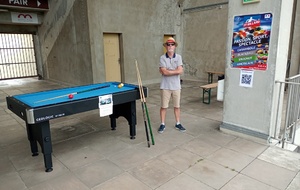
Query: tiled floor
[[88, 155]]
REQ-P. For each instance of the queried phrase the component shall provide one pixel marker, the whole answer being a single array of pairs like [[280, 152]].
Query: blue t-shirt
[[171, 82]]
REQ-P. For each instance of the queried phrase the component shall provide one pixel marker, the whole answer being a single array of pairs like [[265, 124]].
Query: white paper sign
[[246, 78], [105, 105]]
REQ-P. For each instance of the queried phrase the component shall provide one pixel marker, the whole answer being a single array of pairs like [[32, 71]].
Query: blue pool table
[[37, 108]]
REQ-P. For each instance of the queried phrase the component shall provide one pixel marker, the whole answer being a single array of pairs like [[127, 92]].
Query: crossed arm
[[166, 72]]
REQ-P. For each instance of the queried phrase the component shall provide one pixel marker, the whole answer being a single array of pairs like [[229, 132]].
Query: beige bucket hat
[[170, 40]]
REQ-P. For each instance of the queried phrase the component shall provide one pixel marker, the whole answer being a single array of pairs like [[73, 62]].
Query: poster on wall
[[250, 41]]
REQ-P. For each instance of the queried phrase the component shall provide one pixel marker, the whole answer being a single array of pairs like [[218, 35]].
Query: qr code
[[246, 79]]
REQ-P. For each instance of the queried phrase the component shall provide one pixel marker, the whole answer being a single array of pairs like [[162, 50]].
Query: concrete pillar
[[295, 42], [251, 110]]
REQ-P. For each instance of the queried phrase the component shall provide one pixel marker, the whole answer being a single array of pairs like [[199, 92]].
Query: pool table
[[37, 108]]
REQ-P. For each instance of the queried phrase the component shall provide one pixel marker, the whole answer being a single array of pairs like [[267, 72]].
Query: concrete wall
[[67, 54], [72, 37], [69, 42], [70, 58], [142, 25], [64, 42], [251, 110], [205, 35]]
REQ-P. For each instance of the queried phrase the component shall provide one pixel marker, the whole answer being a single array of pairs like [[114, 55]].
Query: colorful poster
[[250, 41]]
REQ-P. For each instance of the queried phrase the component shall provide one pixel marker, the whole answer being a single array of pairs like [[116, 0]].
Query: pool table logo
[[48, 117]]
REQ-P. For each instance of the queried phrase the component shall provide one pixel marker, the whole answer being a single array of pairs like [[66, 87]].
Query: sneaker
[[180, 128], [161, 128]]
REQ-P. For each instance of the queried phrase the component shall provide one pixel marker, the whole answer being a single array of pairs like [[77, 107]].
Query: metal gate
[[17, 56]]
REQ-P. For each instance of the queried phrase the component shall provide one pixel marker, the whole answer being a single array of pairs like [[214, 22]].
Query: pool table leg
[[127, 110], [40, 132], [113, 123], [32, 140]]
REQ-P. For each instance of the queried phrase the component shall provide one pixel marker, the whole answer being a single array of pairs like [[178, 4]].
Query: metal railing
[[287, 124]]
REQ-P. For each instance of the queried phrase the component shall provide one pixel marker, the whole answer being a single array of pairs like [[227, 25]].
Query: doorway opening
[[17, 56]]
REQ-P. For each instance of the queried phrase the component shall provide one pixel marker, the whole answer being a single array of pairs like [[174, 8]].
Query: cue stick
[[73, 93], [147, 113], [144, 100], [143, 109]]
